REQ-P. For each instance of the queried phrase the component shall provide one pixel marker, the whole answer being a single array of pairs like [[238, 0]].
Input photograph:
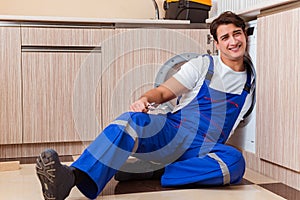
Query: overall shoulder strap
[[210, 71], [250, 71], [250, 68]]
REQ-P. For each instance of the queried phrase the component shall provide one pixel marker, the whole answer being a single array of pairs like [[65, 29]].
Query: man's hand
[[140, 105], [163, 93]]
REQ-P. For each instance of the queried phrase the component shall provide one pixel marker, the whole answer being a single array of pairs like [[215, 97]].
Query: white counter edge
[[89, 20], [253, 11]]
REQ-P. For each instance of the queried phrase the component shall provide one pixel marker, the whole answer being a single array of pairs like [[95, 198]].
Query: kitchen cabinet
[[59, 95], [61, 69], [133, 57], [10, 85], [63, 83], [278, 89]]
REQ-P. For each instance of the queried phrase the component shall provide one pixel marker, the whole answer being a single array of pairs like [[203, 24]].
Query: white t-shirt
[[192, 74]]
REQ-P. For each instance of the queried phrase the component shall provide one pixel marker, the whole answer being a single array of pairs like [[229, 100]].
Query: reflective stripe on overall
[[190, 142]]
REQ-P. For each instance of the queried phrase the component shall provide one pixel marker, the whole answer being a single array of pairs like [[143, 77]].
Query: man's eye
[[224, 38]]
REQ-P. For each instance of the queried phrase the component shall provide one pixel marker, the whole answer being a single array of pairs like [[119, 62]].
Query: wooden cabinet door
[[60, 93], [10, 86], [132, 59], [278, 89]]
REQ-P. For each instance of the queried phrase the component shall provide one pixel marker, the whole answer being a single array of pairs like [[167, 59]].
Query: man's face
[[231, 42]]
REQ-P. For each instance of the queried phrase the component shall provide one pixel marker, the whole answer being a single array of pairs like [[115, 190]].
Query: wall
[[139, 9]]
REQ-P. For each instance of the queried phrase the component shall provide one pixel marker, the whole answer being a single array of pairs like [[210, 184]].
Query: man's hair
[[224, 19]]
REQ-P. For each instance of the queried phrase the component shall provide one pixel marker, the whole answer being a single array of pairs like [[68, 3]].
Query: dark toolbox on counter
[[194, 10]]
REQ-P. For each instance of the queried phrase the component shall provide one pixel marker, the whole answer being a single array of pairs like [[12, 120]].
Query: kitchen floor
[[23, 184]]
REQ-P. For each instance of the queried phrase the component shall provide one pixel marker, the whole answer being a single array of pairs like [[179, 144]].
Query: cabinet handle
[[62, 49]]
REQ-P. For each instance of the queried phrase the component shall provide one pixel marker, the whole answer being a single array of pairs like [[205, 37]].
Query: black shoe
[[56, 179], [139, 170]]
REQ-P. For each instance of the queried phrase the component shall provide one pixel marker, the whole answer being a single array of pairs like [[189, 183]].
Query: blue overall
[[190, 142]]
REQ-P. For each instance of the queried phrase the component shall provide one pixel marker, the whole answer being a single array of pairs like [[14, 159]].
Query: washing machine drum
[[167, 71]]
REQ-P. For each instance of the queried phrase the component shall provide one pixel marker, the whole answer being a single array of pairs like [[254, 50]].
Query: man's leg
[[137, 169], [104, 156], [131, 132], [222, 165]]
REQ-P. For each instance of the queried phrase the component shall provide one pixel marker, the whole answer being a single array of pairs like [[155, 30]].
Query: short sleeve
[[190, 72]]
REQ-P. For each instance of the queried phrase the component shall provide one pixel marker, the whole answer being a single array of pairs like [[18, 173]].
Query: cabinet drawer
[[41, 36]]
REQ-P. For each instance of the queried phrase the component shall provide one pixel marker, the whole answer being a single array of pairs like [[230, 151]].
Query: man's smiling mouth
[[235, 48]]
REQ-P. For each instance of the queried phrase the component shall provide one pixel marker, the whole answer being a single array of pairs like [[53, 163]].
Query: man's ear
[[246, 35], [216, 44]]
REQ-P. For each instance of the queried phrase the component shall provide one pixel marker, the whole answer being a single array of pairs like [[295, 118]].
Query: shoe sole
[[45, 170]]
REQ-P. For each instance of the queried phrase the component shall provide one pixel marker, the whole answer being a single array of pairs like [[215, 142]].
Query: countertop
[[88, 20], [254, 11], [97, 22]]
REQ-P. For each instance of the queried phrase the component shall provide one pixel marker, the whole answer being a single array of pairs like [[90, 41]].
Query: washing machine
[[167, 70]]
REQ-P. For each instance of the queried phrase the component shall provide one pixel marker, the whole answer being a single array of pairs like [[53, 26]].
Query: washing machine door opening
[[167, 70]]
